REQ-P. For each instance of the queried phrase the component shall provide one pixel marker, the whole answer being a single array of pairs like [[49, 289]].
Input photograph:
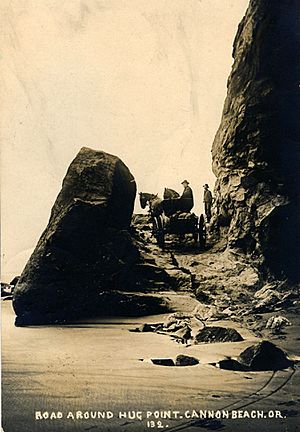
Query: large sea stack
[[85, 259], [256, 149]]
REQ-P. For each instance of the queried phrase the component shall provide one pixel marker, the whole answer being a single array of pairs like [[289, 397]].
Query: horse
[[172, 202], [154, 203], [157, 215], [170, 194], [161, 207], [160, 213]]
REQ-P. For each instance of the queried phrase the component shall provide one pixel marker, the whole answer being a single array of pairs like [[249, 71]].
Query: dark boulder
[[86, 250], [218, 334], [183, 360], [264, 356]]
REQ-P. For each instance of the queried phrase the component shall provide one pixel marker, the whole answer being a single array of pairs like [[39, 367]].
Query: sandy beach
[[101, 366]]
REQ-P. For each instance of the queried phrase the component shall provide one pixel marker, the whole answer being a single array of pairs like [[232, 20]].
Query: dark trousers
[[186, 204], [207, 208]]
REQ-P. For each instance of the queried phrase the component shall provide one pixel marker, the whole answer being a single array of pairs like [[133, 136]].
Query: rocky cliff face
[[256, 149]]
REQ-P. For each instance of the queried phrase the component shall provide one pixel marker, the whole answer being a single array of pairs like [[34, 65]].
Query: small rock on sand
[[218, 334], [183, 360], [264, 356]]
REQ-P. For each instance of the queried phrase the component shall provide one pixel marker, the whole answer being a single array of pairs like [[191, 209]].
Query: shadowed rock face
[[86, 251], [256, 149]]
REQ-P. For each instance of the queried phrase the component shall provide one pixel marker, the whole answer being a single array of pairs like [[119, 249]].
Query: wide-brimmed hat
[[185, 181], [205, 185]]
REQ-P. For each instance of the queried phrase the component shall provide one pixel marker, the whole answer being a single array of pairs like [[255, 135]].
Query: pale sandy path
[[96, 367]]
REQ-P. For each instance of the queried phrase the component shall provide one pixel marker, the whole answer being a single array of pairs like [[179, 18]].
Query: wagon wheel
[[196, 232], [158, 231], [202, 232], [195, 236]]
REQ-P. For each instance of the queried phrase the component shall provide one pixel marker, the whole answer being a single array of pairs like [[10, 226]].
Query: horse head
[[170, 194], [154, 202], [143, 200]]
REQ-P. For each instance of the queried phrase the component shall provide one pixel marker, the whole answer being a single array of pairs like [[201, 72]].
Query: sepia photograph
[[150, 260]]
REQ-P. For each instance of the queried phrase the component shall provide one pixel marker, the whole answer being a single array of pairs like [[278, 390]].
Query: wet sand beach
[[103, 367]]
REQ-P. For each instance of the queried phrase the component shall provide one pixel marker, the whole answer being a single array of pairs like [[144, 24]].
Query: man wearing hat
[[186, 199], [207, 199]]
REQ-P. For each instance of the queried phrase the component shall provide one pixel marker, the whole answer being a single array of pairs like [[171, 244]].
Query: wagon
[[166, 219], [179, 224]]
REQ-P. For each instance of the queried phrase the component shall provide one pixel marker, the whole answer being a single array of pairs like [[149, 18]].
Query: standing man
[[207, 199], [186, 199]]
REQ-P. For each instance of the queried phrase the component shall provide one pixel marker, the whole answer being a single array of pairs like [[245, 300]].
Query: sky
[[144, 80]]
